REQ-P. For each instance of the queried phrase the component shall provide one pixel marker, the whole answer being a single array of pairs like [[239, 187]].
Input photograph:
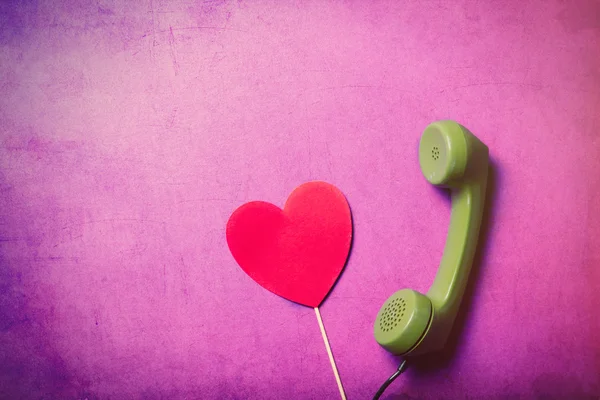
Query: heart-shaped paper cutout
[[298, 252]]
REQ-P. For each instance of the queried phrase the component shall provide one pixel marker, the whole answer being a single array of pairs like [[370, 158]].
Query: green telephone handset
[[411, 323]]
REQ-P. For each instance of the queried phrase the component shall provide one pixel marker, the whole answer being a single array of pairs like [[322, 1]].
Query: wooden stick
[[330, 354]]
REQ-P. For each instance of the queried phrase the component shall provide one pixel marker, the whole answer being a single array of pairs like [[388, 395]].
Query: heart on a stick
[[297, 252]]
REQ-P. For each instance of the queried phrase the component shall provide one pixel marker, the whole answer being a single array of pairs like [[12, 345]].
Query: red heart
[[298, 252]]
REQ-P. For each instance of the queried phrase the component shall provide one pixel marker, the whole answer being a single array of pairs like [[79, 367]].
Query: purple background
[[129, 132]]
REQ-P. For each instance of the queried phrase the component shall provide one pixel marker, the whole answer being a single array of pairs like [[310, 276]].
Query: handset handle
[[465, 220]]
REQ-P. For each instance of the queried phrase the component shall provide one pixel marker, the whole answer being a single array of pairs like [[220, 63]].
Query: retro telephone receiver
[[411, 323]]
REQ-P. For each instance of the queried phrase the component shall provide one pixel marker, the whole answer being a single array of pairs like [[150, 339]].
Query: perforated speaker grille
[[392, 314]]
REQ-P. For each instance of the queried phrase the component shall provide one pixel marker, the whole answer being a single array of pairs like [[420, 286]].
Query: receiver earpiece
[[411, 323]]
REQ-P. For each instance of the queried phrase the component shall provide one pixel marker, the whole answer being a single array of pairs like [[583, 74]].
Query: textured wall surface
[[130, 130]]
